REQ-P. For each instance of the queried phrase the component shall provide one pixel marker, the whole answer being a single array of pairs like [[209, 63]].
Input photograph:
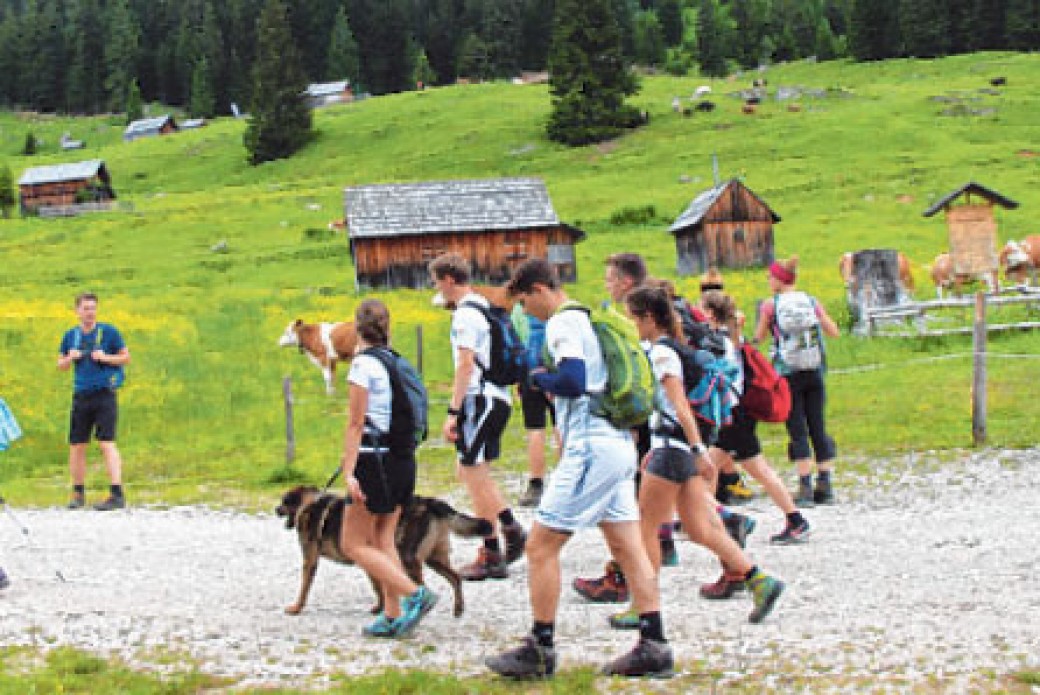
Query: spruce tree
[[343, 59], [588, 76], [926, 27], [424, 74], [122, 43], [202, 103], [7, 194], [29, 148], [874, 30], [713, 47], [134, 105], [280, 119]]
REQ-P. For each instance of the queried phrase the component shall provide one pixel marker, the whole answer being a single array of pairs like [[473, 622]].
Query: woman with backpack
[[380, 478], [797, 324]]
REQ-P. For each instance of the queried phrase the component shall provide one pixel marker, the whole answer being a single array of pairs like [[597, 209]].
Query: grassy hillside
[[202, 416]]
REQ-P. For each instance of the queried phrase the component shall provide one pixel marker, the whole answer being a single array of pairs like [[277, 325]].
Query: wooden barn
[[397, 229], [62, 185], [150, 127], [324, 93], [726, 226]]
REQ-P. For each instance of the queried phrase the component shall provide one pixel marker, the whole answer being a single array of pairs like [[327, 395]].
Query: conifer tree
[[134, 105], [203, 102], [7, 195], [280, 119], [343, 51], [424, 74], [712, 39], [122, 43], [29, 148], [874, 29]]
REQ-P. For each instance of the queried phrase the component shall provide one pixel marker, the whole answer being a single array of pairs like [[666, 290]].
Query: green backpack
[[628, 398]]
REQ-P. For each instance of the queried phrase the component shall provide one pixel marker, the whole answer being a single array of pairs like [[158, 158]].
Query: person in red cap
[[797, 323]]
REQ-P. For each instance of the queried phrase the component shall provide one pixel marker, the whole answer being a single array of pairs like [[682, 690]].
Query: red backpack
[[767, 397]]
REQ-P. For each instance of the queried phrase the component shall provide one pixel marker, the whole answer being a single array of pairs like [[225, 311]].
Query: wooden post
[[290, 435], [978, 383], [419, 349]]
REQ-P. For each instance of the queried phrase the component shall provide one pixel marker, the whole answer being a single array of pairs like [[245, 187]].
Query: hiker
[[380, 479], [536, 407], [98, 354], [9, 431], [674, 469], [796, 322], [477, 416], [592, 484], [739, 441]]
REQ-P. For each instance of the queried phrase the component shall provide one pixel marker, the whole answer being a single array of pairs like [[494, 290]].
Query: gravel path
[[921, 571]]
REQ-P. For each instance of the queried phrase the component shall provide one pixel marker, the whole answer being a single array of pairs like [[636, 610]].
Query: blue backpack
[[508, 353], [409, 402], [709, 383]]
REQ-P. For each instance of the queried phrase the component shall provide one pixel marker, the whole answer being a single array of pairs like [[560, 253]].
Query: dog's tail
[[462, 524]]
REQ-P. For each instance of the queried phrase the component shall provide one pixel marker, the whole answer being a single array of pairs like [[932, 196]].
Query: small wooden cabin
[[61, 185], [324, 93], [150, 127], [726, 226], [397, 229], [972, 229]]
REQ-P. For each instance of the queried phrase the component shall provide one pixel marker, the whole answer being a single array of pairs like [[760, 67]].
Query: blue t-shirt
[[91, 375]]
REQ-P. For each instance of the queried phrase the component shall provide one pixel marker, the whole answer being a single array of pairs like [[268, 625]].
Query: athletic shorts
[[388, 481], [482, 420], [593, 483], [738, 439], [535, 405], [96, 412], [673, 464]]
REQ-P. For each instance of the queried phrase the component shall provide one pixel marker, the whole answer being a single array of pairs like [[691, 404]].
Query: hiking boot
[[77, 502], [648, 658], [382, 626], [792, 534], [805, 497], [4, 581], [669, 555], [532, 495], [738, 492], [112, 502], [726, 585], [823, 494], [625, 620], [765, 591], [488, 565], [413, 609], [739, 527], [610, 588], [516, 539], [529, 660]]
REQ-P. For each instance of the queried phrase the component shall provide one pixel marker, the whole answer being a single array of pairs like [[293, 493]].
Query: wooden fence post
[[290, 435], [978, 382], [419, 349]]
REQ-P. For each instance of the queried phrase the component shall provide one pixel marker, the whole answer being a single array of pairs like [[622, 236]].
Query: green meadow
[[202, 417]]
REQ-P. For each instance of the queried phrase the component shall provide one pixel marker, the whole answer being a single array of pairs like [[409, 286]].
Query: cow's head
[[291, 336], [1013, 255]]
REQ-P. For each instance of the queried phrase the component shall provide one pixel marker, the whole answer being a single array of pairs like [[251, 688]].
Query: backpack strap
[[486, 313], [384, 355]]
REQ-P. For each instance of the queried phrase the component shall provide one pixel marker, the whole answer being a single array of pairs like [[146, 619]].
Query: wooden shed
[[397, 229], [150, 127], [727, 226], [973, 229], [62, 185], [324, 93]]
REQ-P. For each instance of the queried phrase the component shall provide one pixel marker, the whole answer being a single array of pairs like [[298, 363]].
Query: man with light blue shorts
[[592, 485]]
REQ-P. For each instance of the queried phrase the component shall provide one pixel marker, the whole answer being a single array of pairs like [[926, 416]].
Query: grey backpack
[[797, 332]]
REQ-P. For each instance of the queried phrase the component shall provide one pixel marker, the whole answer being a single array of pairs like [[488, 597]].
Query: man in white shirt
[[477, 416], [592, 485]]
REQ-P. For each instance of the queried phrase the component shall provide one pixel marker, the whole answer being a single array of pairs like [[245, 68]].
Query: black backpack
[[508, 353], [409, 402]]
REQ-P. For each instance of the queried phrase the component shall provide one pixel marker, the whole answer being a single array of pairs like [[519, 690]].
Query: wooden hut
[[973, 229], [324, 93], [397, 229], [726, 226], [63, 185], [150, 127]]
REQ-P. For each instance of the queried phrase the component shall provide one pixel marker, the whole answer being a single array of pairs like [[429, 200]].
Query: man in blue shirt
[[98, 354]]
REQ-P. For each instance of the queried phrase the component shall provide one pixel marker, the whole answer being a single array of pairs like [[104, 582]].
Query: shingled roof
[[75, 171], [971, 188], [705, 201], [433, 207]]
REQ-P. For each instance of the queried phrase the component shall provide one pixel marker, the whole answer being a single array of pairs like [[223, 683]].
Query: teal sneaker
[[382, 626], [625, 620], [413, 609], [669, 555], [765, 591]]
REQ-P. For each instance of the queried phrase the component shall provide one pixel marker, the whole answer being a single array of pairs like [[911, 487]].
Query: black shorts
[[673, 464], [387, 480], [535, 405], [482, 420], [738, 439], [97, 412]]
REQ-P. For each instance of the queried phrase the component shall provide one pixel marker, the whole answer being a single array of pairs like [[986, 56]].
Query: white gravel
[[924, 569]]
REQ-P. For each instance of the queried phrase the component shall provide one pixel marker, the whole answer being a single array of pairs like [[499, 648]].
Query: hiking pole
[[25, 532]]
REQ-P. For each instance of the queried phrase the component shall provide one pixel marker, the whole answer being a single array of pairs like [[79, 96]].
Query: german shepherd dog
[[423, 537]]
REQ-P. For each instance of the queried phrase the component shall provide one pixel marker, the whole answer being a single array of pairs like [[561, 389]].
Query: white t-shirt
[[569, 335], [469, 329], [665, 362], [369, 373]]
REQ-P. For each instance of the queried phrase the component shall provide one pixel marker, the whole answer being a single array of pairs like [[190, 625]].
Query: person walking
[[380, 479], [477, 416], [797, 323], [593, 484], [536, 407], [98, 355]]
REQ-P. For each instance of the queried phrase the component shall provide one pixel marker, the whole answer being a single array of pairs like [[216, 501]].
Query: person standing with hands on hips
[[98, 354]]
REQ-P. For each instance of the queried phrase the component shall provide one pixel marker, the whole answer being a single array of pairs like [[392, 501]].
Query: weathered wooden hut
[[397, 229], [726, 226], [61, 185], [150, 127], [324, 93], [972, 229]]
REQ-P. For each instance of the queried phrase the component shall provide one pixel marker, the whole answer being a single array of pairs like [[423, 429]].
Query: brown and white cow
[[945, 278], [1021, 259], [325, 344], [906, 276]]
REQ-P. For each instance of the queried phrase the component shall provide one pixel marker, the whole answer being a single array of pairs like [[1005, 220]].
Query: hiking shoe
[[823, 494], [805, 497], [529, 660], [112, 502], [488, 565], [765, 591], [532, 495], [669, 555], [4, 581], [625, 620], [648, 658], [610, 588], [792, 534], [726, 585], [738, 492], [516, 539], [413, 609], [382, 626], [77, 502], [739, 527]]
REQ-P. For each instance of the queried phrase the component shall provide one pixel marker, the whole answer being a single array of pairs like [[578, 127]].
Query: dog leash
[[335, 474]]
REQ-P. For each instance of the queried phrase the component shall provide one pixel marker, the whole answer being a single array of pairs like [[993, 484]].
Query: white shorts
[[593, 483]]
